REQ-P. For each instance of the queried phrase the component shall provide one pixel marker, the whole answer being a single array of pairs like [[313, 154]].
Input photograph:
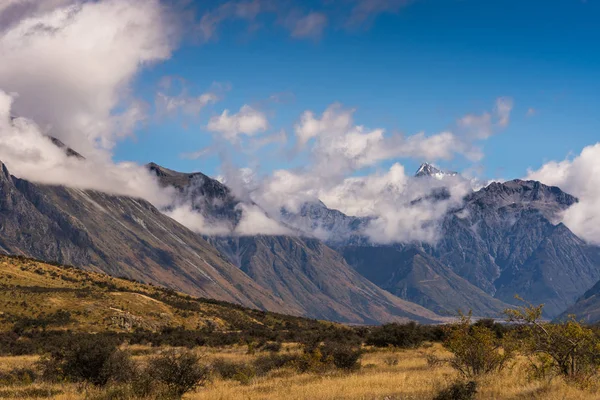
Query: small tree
[[476, 348], [568, 348]]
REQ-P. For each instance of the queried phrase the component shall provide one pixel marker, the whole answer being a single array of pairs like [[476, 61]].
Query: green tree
[[476, 349], [569, 348]]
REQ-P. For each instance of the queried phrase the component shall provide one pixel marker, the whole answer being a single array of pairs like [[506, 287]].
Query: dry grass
[[380, 378]]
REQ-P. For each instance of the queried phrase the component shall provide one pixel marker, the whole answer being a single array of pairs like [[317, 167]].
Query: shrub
[[18, 376], [265, 364], [343, 356], [273, 347], [458, 391], [311, 362], [397, 335], [476, 349], [241, 372], [119, 368], [83, 360], [181, 372], [566, 348]]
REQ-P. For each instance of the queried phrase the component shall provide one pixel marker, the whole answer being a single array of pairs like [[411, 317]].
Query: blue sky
[[418, 69]]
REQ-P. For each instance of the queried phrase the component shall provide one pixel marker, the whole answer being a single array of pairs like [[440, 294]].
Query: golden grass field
[[379, 378]]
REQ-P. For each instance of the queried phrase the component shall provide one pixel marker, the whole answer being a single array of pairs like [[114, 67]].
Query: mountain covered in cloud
[[126, 236], [302, 272], [505, 240], [502, 240]]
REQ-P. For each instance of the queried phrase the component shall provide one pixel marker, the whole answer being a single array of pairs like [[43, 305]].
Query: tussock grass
[[411, 378]]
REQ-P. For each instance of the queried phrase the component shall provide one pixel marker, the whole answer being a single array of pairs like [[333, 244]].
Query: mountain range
[[504, 239]]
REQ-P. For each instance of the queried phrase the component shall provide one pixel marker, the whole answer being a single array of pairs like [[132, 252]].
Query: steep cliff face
[[507, 240]]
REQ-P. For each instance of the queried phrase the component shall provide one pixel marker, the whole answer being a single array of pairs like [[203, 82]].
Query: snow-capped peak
[[427, 169]]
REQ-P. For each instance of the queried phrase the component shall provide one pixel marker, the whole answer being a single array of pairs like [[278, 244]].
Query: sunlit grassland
[[385, 374]]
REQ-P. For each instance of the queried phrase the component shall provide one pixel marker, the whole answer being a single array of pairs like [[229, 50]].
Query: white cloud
[[188, 105], [195, 221], [340, 146], [485, 125], [30, 155], [71, 66], [308, 26], [255, 222], [247, 121], [581, 178]]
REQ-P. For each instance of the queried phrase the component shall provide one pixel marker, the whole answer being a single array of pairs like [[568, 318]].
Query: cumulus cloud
[[485, 125], [396, 205], [31, 155], [341, 146], [247, 121], [255, 221], [169, 103], [195, 221], [581, 178], [66, 71], [49, 59]]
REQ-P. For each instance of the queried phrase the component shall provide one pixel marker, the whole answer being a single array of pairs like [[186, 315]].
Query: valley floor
[[385, 375]]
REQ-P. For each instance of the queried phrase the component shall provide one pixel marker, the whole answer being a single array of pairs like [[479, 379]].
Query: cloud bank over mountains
[[580, 177], [68, 69]]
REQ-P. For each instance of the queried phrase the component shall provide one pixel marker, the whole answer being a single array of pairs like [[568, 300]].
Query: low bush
[[18, 376], [476, 349], [273, 347], [343, 356], [83, 360], [458, 391], [265, 364], [404, 336], [180, 371]]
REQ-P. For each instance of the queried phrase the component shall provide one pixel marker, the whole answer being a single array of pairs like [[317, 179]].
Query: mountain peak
[[427, 169]]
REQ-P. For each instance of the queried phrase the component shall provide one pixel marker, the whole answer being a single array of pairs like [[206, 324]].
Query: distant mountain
[[207, 196], [414, 275], [332, 226], [302, 272], [427, 169], [587, 307], [507, 240]]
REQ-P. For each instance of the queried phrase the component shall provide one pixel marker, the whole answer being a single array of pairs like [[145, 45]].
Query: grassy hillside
[[38, 295]]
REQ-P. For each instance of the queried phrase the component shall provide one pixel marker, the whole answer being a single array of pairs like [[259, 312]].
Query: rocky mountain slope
[[302, 272], [307, 274], [412, 274], [587, 307], [504, 240], [129, 237], [121, 236], [507, 240]]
